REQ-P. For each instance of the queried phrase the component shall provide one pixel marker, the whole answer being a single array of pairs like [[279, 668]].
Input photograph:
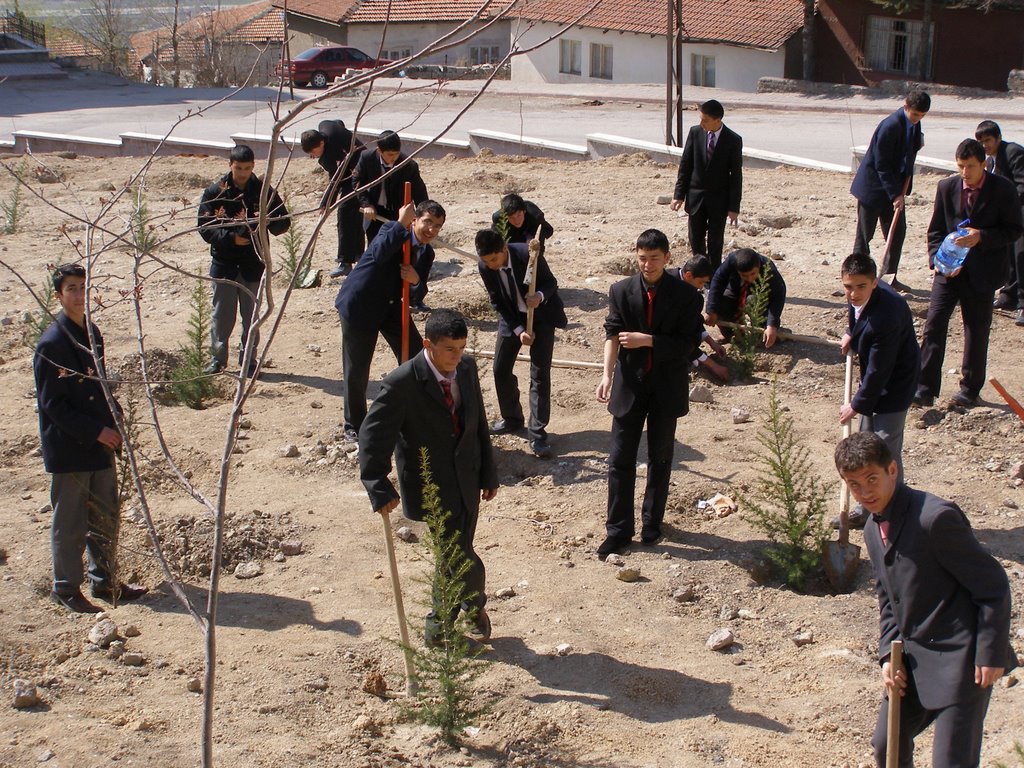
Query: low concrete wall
[[513, 144], [41, 141], [923, 164], [146, 144]]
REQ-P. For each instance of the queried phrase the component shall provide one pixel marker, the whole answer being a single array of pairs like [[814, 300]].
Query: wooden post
[[406, 259], [892, 744], [531, 270]]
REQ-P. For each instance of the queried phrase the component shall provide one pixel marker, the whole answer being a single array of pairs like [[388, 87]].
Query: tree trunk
[[923, 53], [808, 40], [175, 55]]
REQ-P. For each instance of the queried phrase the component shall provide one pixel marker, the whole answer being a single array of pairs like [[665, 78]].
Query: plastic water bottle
[[950, 256]]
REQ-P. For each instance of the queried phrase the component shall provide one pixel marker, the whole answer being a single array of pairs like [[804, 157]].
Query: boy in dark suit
[[503, 268], [697, 272], [369, 301], [991, 204], [653, 326], [384, 198], [78, 435], [227, 221], [434, 401], [334, 147], [885, 177], [880, 331], [939, 592], [1006, 159], [709, 184], [525, 219], [731, 284]]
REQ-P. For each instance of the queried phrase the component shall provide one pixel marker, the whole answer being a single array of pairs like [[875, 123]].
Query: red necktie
[[970, 195], [883, 528], [650, 322], [449, 400], [744, 289]]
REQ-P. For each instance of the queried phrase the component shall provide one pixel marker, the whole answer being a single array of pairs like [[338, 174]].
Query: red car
[[319, 66]]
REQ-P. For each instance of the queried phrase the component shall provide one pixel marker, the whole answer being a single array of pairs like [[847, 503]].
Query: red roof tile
[[255, 22], [327, 10], [755, 23], [376, 11]]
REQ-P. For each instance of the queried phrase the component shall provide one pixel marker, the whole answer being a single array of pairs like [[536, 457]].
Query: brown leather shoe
[[126, 593], [481, 631], [75, 602]]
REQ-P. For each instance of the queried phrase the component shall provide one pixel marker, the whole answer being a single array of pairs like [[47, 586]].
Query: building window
[[570, 57], [892, 45], [601, 61], [396, 53], [702, 70], [484, 54]]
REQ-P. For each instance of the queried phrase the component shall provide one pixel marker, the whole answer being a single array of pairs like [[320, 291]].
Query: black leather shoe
[[126, 593], [611, 545], [506, 427], [922, 400], [341, 270], [898, 286], [421, 307], [481, 631], [1004, 302], [964, 399], [541, 449], [214, 366], [75, 602], [650, 538]]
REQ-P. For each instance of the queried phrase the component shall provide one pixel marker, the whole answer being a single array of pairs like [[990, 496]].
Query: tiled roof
[[66, 44], [755, 23], [376, 11], [328, 10], [255, 22]]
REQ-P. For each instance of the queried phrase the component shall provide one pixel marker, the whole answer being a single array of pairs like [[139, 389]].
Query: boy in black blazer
[[1006, 158], [939, 592], [991, 203], [653, 326], [384, 198], [733, 280], [709, 183], [503, 268], [78, 436], [881, 333], [433, 401]]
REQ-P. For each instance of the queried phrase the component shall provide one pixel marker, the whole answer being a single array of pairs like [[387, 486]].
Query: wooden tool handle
[[406, 302], [892, 748], [844, 490], [396, 588], [532, 270]]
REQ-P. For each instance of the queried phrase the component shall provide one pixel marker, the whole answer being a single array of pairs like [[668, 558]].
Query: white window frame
[[484, 54], [702, 70], [601, 61], [570, 57]]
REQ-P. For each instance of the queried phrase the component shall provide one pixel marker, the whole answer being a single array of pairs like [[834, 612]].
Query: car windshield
[[308, 54]]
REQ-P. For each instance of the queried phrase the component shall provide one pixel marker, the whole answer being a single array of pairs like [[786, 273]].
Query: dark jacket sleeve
[[878, 353], [57, 377], [378, 436], [888, 629], [736, 173], [542, 230], [1015, 167], [776, 296], [278, 218], [889, 158], [719, 282], [938, 227], [488, 469], [367, 170], [685, 169], [498, 301], [419, 188], [212, 228], [423, 264], [546, 282]]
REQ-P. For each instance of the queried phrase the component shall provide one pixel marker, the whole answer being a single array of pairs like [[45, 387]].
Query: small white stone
[[720, 639], [628, 575], [614, 559], [25, 694], [563, 649], [290, 451], [103, 633], [249, 570], [505, 593], [801, 639], [405, 533]]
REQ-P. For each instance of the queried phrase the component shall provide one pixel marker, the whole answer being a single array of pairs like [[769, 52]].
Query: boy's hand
[[533, 301], [526, 339], [388, 508], [407, 215], [409, 274], [846, 413], [898, 684], [110, 438], [711, 318], [368, 212], [987, 676], [770, 335], [844, 345], [734, 217], [675, 205], [488, 493], [635, 339], [239, 240], [604, 389]]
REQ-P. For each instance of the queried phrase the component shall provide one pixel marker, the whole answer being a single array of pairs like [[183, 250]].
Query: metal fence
[[19, 24]]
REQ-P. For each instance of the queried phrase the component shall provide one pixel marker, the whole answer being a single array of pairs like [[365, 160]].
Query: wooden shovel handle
[[532, 269], [892, 744], [406, 302], [844, 490]]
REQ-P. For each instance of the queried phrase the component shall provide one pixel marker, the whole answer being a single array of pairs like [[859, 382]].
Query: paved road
[[821, 128]]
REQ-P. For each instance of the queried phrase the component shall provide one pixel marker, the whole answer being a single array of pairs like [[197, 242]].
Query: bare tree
[[107, 25]]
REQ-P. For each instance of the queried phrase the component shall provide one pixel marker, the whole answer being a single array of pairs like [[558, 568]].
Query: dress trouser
[[1013, 292], [706, 234], [474, 580], [231, 299], [357, 348], [506, 385], [85, 516], [976, 310], [889, 427], [867, 220], [956, 735], [625, 441], [351, 240]]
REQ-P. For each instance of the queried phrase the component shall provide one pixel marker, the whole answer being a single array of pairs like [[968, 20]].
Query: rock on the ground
[[628, 574], [405, 533], [115, 650], [103, 633], [720, 639], [245, 423], [375, 684], [701, 394], [803, 638], [740, 415], [194, 685], [133, 659], [25, 694], [563, 649], [249, 570], [316, 684], [505, 593], [290, 451], [728, 613], [291, 547], [685, 594], [130, 630], [366, 724], [46, 755], [1008, 681], [614, 559]]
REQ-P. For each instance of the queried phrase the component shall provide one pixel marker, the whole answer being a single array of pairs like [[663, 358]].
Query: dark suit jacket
[[532, 222], [410, 414], [677, 327], [72, 408], [716, 186], [939, 592], [727, 283], [368, 170], [374, 288], [885, 343], [996, 213], [888, 161], [1010, 165], [337, 143], [550, 312], [221, 203]]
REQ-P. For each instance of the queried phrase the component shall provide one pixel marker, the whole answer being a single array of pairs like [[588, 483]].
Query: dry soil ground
[[296, 643]]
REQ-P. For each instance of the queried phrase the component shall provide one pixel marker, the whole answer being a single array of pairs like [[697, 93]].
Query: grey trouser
[[229, 299], [889, 427], [84, 517]]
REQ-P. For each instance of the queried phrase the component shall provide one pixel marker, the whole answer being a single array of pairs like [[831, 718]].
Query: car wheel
[[318, 80]]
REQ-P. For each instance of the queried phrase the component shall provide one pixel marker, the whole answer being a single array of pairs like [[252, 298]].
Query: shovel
[[841, 558]]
